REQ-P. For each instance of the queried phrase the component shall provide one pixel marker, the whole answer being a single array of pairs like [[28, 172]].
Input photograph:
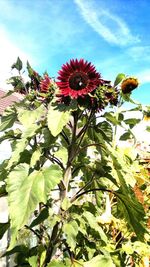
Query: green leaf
[[125, 136], [34, 116], [33, 261], [52, 176], [66, 204], [132, 211], [57, 120], [17, 249], [8, 119], [91, 221], [3, 191], [106, 130], [17, 65], [132, 122], [71, 231], [119, 79], [41, 217], [100, 260], [3, 228], [62, 154], [35, 157], [22, 144], [30, 70], [56, 263], [25, 192], [148, 128], [112, 118]]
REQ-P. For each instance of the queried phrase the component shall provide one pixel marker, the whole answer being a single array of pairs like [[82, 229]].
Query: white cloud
[[139, 52], [109, 26], [8, 55], [144, 76]]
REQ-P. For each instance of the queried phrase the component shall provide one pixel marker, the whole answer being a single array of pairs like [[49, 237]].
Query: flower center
[[78, 81]]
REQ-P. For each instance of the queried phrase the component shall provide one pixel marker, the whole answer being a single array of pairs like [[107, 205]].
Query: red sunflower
[[45, 84], [78, 78]]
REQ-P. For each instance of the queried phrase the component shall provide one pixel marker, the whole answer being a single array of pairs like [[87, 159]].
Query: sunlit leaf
[[26, 191], [56, 263], [33, 261], [119, 78], [71, 231], [28, 117], [132, 211], [100, 260], [35, 157], [57, 120], [91, 220]]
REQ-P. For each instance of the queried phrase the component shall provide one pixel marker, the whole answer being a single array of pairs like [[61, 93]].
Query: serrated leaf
[[91, 220], [100, 260], [22, 144], [112, 118], [106, 130], [57, 120], [3, 228], [119, 79], [71, 231], [8, 119], [26, 191], [132, 211], [26, 116]]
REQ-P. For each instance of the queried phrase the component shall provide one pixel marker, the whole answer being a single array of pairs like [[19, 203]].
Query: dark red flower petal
[[78, 78]]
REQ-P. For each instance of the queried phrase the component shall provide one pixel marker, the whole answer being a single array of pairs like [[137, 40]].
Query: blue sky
[[112, 34]]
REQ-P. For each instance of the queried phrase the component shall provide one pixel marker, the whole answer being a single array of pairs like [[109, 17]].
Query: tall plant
[[71, 201]]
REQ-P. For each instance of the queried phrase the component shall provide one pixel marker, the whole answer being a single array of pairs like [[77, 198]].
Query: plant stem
[[51, 245]]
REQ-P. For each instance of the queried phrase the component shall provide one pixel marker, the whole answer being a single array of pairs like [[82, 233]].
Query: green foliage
[[3, 228], [26, 190], [8, 119], [57, 120], [100, 260], [71, 230], [119, 78], [70, 189], [18, 65]]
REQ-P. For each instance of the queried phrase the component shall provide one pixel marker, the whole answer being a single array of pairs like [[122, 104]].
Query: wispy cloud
[[109, 26], [144, 76], [139, 52]]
